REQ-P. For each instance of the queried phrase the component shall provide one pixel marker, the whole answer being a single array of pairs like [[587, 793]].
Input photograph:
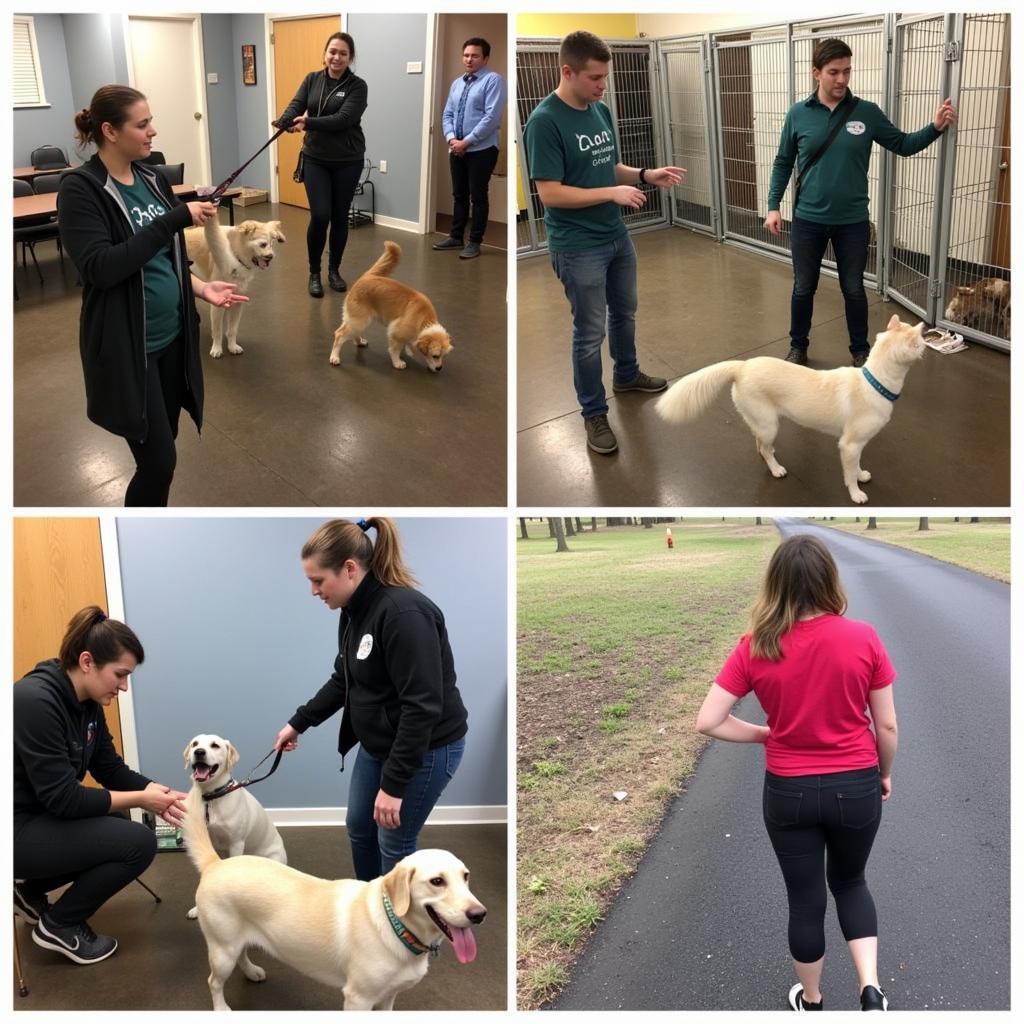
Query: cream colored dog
[[231, 254], [409, 315], [336, 932], [236, 822], [840, 402]]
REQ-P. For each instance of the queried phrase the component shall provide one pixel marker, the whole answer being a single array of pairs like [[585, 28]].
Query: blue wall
[[235, 642], [251, 101], [37, 126], [219, 55]]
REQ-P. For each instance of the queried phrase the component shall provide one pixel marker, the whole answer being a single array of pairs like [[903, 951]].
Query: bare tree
[[648, 523], [559, 534], [569, 531], [551, 529], [593, 524], [579, 525], [757, 520], [922, 523], [975, 519], [523, 532], [872, 523]]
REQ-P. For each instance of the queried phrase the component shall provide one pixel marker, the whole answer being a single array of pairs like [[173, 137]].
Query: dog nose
[[199, 752], [477, 914]]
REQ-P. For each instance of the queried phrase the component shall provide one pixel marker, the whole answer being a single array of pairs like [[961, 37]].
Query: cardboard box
[[251, 196]]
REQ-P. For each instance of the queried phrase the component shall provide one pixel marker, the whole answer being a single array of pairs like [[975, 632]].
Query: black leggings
[[156, 457], [99, 855], [329, 188], [807, 817]]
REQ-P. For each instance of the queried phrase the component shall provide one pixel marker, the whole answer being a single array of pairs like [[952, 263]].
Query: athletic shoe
[[600, 438], [448, 243], [336, 281], [316, 288], [798, 1003], [873, 999], [642, 382], [797, 355], [77, 942], [28, 906], [860, 358], [470, 251]]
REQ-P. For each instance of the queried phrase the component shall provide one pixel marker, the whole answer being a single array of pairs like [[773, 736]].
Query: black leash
[[226, 184], [247, 781]]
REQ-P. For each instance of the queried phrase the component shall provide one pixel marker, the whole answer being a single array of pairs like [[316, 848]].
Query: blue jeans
[[376, 850], [600, 285], [850, 244]]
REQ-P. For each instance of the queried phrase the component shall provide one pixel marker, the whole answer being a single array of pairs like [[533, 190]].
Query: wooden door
[[58, 570], [1001, 233], [298, 46]]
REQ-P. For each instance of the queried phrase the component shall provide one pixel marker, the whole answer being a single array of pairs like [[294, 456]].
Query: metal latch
[[952, 51]]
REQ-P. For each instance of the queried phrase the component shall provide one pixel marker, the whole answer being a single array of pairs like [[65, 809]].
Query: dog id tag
[[365, 646]]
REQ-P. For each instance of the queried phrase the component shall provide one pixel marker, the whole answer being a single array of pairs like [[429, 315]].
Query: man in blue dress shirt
[[471, 119]]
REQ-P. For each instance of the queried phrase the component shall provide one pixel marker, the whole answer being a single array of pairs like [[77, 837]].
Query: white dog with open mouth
[[370, 939], [237, 823]]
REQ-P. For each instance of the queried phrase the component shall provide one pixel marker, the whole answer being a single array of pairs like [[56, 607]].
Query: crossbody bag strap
[[824, 146]]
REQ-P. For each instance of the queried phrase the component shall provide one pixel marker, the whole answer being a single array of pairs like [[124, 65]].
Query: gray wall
[[251, 101], [235, 642], [221, 56], [54, 124]]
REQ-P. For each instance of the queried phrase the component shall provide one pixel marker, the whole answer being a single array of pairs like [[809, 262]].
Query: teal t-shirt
[[578, 148], [835, 190], [160, 283]]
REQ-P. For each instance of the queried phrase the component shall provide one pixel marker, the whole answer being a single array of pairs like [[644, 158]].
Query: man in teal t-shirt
[[832, 203], [574, 159]]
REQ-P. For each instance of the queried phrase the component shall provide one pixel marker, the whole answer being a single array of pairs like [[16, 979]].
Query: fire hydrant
[[668, 537]]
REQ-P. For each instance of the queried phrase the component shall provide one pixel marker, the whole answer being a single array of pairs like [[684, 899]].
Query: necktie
[[460, 116]]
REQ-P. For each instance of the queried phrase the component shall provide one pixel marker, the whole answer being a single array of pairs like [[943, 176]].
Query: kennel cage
[[940, 219]]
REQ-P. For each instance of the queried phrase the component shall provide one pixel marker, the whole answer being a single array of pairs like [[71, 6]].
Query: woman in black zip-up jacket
[[139, 330], [328, 107], [395, 679], [64, 831]]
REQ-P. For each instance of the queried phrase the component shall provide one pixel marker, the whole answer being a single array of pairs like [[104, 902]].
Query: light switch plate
[[414, 67]]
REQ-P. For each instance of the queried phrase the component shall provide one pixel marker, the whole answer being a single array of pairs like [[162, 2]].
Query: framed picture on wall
[[248, 64]]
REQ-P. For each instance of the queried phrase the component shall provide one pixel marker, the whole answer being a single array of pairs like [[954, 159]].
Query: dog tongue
[[201, 772], [464, 944]]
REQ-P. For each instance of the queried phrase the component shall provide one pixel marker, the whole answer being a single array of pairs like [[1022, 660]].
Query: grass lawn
[[618, 641], [982, 547]]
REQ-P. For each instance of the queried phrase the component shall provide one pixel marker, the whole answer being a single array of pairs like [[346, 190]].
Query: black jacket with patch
[[111, 258], [334, 133], [395, 678], [57, 739]]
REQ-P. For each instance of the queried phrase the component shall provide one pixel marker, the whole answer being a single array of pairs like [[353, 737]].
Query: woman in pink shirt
[[816, 674]]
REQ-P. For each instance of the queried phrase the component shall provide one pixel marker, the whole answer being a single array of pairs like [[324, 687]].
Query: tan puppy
[[337, 932], [409, 315], [840, 402], [231, 254], [985, 306]]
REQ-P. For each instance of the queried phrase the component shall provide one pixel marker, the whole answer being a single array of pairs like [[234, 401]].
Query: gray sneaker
[[797, 355], [642, 382], [600, 438], [27, 905], [470, 252], [77, 942], [448, 243]]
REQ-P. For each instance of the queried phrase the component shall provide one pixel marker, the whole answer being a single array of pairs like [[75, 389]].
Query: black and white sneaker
[[872, 998], [27, 905], [77, 942], [797, 1002]]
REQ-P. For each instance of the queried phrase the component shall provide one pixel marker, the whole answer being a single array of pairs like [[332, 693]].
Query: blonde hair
[[334, 543], [801, 579]]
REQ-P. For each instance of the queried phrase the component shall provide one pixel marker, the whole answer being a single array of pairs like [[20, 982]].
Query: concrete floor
[[283, 426], [948, 443], [161, 960]]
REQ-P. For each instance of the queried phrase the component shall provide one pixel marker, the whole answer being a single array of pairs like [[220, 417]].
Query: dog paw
[[192, 914], [779, 471], [216, 352], [235, 349], [857, 495], [255, 973], [863, 476], [400, 365], [335, 360]]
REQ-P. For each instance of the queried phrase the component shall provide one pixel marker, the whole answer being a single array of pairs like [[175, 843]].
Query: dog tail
[[691, 395], [197, 835], [387, 262]]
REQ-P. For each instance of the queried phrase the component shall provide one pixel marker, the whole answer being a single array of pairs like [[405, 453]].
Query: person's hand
[[299, 124], [201, 212], [385, 810], [886, 787], [628, 195], [944, 116], [665, 177], [773, 222], [287, 739], [168, 803], [222, 294], [458, 146]]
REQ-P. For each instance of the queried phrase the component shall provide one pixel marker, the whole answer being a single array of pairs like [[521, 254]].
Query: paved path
[[702, 925]]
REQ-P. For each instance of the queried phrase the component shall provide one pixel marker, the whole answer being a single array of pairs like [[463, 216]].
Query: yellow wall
[[608, 26]]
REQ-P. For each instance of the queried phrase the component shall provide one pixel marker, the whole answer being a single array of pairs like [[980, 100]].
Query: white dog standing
[[237, 823], [231, 254], [843, 402]]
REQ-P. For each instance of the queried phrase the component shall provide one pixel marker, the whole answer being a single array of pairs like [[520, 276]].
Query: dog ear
[[232, 753], [275, 230], [920, 328], [397, 884], [964, 290], [894, 322], [184, 753], [248, 227]]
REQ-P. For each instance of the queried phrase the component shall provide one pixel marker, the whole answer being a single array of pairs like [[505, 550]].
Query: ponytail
[[340, 540], [105, 639]]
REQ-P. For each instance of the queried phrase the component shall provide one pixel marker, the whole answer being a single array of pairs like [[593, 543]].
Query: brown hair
[[105, 639], [345, 38], [829, 50], [485, 47], [579, 47], [801, 579], [339, 540], [111, 104]]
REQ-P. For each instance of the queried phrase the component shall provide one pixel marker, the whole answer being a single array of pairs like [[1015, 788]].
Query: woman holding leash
[[816, 674], [395, 679], [139, 330], [64, 831], [328, 107]]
